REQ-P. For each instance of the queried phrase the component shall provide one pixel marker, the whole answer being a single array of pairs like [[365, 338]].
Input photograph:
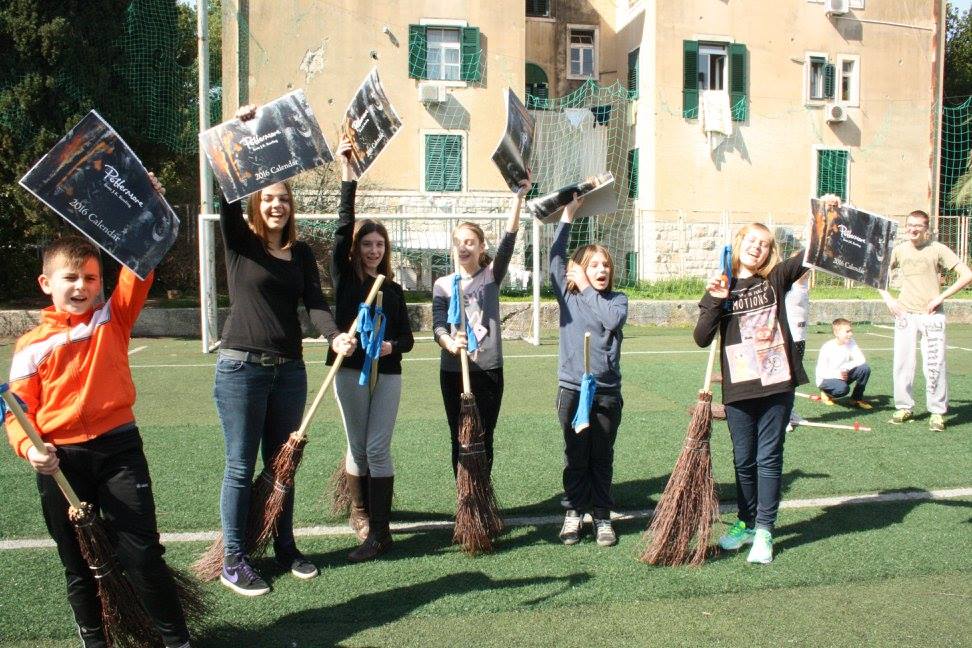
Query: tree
[[958, 54]]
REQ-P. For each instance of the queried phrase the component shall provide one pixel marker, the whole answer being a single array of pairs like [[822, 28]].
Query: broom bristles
[[682, 522], [340, 489], [124, 619], [478, 519]]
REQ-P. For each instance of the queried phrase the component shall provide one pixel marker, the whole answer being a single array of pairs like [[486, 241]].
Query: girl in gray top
[[584, 287], [480, 279]]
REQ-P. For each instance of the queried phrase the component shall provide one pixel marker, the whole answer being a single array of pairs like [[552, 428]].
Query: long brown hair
[[771, 259], [484, 258], [259, 227], [582, 257], [363, 228]]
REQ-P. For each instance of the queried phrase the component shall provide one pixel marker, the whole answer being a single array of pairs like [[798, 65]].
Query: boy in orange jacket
[[72, 373]]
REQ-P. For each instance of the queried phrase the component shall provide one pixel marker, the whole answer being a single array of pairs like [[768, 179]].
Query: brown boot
[[358, 488], [379, 538]]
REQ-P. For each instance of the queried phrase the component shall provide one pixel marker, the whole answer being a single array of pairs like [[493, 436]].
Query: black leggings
[[487, 387]]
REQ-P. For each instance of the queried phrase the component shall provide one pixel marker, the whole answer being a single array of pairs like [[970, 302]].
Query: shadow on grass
[[330, 626], [852, 517]]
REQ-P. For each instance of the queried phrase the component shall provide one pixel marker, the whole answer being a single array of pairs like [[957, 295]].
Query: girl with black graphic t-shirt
[[760, 371]]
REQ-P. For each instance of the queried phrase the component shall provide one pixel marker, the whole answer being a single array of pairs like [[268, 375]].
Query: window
[[445, 52], [820, 78], [849, 86], [443, 162], [633, 173], [444, 57], [712, 67], [633, 73], [537, 89], [538, 8], [715, 66], [833, 169], [582, 55]]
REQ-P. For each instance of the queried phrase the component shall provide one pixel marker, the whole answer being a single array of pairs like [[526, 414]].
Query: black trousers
[[589, 455], [487, 387], [111, 473]]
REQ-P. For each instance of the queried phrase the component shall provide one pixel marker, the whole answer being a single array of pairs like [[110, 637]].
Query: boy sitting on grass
[[840, 365], [72, 372]]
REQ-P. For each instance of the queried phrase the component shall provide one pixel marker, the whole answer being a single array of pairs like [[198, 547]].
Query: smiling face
[[916, 229], [372, 251], [275, 208], [844, 333], [754, 250], [72, 289], [469, 248]]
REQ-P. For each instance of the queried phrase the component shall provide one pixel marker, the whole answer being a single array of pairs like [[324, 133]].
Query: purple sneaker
[[240, 577]]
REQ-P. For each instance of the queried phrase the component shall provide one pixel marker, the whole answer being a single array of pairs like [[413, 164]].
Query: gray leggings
[[369, 420]]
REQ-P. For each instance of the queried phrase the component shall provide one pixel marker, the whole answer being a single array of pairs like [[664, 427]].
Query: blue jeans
[[258, 408], [839, 388], [758, 428]]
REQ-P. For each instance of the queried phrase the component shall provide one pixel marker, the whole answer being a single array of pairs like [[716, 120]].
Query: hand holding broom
[[682, 523], [273, 485], [124, 619]]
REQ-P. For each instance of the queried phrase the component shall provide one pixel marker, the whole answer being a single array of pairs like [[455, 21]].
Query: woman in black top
[[261, 383], [360, 253]]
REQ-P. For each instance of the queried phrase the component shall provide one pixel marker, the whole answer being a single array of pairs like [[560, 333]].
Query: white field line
[[539, 520], [883, 326], [886, 337], [891, 337], [136, 350], [505, 357]]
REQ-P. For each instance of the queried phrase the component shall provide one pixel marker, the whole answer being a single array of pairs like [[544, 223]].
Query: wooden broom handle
[[338, 360], [463, 353], [38, 442], [373, 376], [587, 352], [708, 370]]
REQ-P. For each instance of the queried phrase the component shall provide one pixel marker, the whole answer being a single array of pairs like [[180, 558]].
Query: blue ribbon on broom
[[455, 313], [371, 338], [4, 387], [582, 419], [725, 268]]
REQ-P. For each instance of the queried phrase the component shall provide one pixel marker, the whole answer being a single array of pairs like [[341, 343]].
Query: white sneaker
[[762, 551], [570, 533]]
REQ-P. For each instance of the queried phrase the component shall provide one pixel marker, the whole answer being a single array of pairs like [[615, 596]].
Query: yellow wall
[[281, 34], [771, 165]]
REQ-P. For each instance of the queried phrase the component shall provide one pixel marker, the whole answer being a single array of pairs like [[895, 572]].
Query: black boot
[[358, 488], [379, 538]]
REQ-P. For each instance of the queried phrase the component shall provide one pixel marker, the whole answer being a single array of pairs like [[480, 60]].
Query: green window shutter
[[633, 173], [832, 172], [633, 74], [443, 163], [738, 77], [471, 55], [690, 79], [829, 73], [418, 50]]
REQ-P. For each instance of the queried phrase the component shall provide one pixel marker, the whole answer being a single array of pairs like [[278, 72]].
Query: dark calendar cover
[[512, 154], [281, 141], [850, 243], [370, 123], [95, 182]]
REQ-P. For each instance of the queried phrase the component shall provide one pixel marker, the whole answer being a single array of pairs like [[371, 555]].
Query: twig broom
[[124, 619], [271, 487], [682, 523]]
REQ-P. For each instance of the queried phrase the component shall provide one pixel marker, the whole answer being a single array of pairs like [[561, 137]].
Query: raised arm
[[558, 259], [611, 308]]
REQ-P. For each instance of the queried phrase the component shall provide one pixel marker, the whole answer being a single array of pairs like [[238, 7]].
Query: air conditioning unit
[[631, 112], [432, 93], [835, 112], [836, 7]]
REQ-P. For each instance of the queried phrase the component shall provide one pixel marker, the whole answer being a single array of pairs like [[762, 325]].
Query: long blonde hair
[[771, 259]]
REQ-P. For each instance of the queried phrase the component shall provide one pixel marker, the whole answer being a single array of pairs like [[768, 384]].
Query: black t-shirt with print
[[758, 355]]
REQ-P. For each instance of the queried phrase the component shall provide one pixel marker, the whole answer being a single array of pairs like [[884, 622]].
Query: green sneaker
[[762, 551], [901, 416], [936, 423], [738, 535]]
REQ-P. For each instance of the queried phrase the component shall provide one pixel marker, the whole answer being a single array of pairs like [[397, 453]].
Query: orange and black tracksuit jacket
[[72, 370]]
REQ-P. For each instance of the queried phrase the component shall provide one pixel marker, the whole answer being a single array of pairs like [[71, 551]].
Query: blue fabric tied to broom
[[455, 313], [4, 387], [725, 268], [582, 419], [371, 339]]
